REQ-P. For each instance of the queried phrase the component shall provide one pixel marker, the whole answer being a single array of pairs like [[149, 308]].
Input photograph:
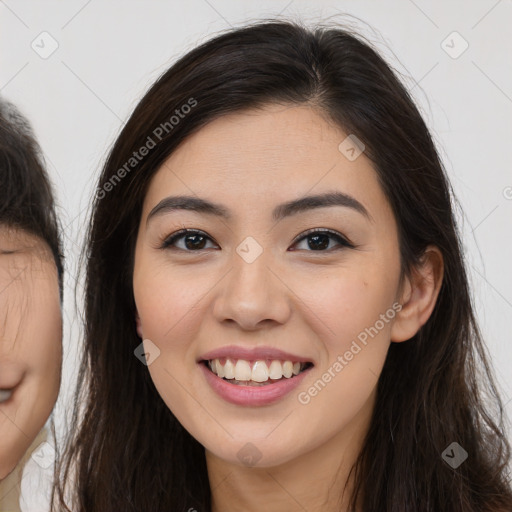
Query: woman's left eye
[[317, 240], [320, 239]]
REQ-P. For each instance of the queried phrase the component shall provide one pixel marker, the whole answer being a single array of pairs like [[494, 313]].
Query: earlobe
[[419, 295]]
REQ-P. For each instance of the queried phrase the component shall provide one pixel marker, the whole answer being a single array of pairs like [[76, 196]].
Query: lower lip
[[252, 395]]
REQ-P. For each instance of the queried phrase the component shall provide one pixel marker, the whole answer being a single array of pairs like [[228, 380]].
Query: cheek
[[43, 330], [353, 315], [42, 350], [348, 303], [47, 346], [167, 303]]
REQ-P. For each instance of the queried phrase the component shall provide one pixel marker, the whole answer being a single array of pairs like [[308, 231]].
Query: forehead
[[270, 154]]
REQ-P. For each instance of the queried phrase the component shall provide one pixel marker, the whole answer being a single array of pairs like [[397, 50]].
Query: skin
[[305, 301], [30, 341]]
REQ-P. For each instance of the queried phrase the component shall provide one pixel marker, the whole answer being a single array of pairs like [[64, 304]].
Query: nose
[[252, 294]]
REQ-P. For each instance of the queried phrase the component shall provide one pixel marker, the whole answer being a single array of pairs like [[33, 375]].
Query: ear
[[419, 295], [139, 328]]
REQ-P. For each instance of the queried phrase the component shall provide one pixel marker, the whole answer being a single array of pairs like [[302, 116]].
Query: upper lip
[[252, 354]]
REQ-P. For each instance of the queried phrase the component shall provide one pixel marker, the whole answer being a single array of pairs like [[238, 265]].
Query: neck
[[10, 488], [313, 481]]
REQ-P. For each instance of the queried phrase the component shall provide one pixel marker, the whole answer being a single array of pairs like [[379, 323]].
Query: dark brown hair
[[26, 196], [127, 451]]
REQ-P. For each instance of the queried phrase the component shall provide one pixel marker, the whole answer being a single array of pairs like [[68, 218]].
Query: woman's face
[[30, 342], [254, 292]]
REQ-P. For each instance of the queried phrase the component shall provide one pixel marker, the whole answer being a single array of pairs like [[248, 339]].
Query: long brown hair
[[26, 191], [127, 451]]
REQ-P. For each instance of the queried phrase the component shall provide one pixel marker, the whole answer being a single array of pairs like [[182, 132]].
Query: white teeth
[[260, 372], [5, 394], [276, 370], [243, 370], [229, 369], [287, 369], [218, 368]]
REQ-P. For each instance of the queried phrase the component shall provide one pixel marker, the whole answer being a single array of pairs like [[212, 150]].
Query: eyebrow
[[294, 207]]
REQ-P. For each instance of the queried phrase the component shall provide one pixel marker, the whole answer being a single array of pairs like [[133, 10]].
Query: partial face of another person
[[306, 282], [30, 341]]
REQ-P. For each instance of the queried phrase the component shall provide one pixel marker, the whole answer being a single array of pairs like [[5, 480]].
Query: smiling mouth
[[241, 372]]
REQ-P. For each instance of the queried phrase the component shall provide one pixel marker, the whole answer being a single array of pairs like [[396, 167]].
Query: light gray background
[[109, 52]]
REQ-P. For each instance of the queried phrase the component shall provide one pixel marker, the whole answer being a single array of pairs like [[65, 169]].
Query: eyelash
[[343, 242]]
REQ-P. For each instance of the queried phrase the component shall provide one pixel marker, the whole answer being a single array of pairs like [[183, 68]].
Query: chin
[[253, 453]]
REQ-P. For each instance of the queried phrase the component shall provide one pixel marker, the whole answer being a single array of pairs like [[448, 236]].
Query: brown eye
[[193, 240], [319, 240]]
